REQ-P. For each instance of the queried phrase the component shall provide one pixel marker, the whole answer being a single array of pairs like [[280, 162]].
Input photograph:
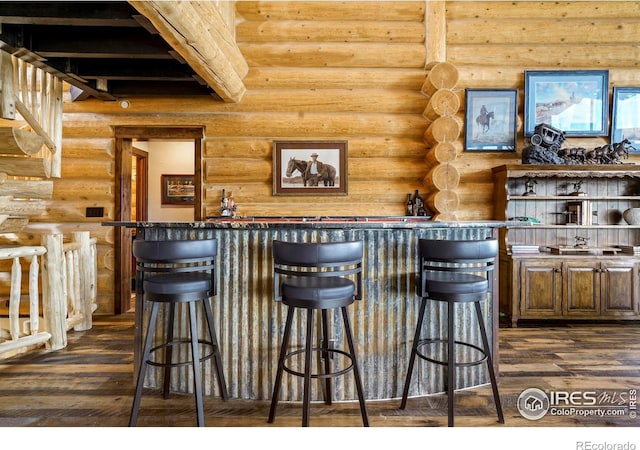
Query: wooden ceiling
[[106, 50]]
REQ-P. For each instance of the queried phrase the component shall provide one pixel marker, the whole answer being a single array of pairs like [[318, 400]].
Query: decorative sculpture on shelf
[[581, 241], [576, 188], [528, 185], [546, 148]]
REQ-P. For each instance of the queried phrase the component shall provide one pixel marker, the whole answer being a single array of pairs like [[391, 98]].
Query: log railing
[[35, 95], [68, 275]]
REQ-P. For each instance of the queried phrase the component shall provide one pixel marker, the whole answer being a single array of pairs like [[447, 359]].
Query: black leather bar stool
[[312, 277], [454, 271], [172, 272]]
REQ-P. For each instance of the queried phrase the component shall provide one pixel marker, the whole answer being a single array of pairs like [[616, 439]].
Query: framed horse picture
[[310, 168], [491, 118]]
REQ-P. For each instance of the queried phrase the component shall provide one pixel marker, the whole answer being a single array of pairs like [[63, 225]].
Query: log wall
[[493, 43], [346, 71]]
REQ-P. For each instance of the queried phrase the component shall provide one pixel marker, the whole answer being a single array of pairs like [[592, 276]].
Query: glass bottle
[[409, 206]]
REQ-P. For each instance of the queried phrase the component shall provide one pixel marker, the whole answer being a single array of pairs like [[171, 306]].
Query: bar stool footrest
[[427, 342], [181, 363], [320, 375]]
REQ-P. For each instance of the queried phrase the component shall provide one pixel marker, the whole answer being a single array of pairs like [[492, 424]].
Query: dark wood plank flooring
[[90, 384]]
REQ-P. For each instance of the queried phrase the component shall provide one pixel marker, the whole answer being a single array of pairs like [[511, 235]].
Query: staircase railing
[[67, 273]]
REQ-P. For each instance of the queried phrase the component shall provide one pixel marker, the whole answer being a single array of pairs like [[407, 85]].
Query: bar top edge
[[318, 222]]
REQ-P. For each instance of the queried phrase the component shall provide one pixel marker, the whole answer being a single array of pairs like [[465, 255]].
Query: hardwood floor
[[89, 384]]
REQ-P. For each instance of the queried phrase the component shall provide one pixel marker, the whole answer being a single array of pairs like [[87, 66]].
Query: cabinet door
[[582, 288], [618, 290], [541, 289]]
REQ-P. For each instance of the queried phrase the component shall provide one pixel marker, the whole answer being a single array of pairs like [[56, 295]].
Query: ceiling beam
[[95, 14], [123, 69], [197, 31], [85, 42]]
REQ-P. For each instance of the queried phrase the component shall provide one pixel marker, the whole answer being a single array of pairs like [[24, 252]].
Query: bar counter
[[250, 323]]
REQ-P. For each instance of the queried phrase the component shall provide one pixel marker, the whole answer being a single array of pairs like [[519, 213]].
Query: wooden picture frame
[[491, 120], [177, 189], [625, 119], [292, 174], [574, 101]]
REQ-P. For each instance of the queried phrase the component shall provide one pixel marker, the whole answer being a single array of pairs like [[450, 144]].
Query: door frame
[[124, 136]]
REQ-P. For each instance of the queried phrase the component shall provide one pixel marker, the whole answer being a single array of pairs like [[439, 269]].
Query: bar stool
[[172, 272], [315, 276], [454, 271]]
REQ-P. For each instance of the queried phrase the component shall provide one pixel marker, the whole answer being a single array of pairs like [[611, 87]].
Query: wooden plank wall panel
[[493, 43]]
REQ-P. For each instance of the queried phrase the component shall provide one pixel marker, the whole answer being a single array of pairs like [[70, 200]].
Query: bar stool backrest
[[465, 256], [317, 259], [176, 256]]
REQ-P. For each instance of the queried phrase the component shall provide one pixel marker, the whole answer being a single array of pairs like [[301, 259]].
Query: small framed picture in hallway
[[178, 189]]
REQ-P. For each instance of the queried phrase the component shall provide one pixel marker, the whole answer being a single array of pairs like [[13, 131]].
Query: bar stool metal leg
[[168, 355], [328, 394], [148, 340], [414, 353], [492, 374], [283, 352], [356, 372], [195, 355], [222, 384], [306, 400], [451, 362]]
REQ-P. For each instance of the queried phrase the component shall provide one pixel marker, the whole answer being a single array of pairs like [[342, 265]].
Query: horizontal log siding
[[493, 43], [347, 71]]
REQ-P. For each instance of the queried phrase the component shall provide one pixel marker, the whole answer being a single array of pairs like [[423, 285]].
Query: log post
[[444, 202], [443, 152], [442, 177], [85, 279], [444, 102], [54, 302], [441, 75], [443, 129], [14, 141], [442, 137]]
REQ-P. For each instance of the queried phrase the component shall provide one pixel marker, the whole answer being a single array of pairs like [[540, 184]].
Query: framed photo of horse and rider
[[574, 101], [310, 168]]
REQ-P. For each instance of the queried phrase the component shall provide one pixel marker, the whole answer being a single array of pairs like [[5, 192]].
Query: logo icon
[[533, 404]]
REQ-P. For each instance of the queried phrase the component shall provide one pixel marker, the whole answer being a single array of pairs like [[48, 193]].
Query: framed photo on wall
[[574, 101], [177, 189], [625, 120], [310, 168], [491, 119]]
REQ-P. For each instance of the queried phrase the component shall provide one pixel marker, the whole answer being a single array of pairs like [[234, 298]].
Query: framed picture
[[491, 118], [625, 121], [310, 168], [177, 189], [574, 101]]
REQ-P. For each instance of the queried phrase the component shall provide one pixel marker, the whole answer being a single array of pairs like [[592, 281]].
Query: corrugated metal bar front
[[250, 323]]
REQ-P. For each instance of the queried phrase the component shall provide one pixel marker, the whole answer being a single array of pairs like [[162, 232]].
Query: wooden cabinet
[[567, 269], [541, 289]]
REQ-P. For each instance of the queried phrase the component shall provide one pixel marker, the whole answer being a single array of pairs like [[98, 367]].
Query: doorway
[[124, 153]]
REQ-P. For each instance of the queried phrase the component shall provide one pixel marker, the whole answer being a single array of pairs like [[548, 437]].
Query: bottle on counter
[[232, 205], [418, 204], [224, 204], [409, 206]]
